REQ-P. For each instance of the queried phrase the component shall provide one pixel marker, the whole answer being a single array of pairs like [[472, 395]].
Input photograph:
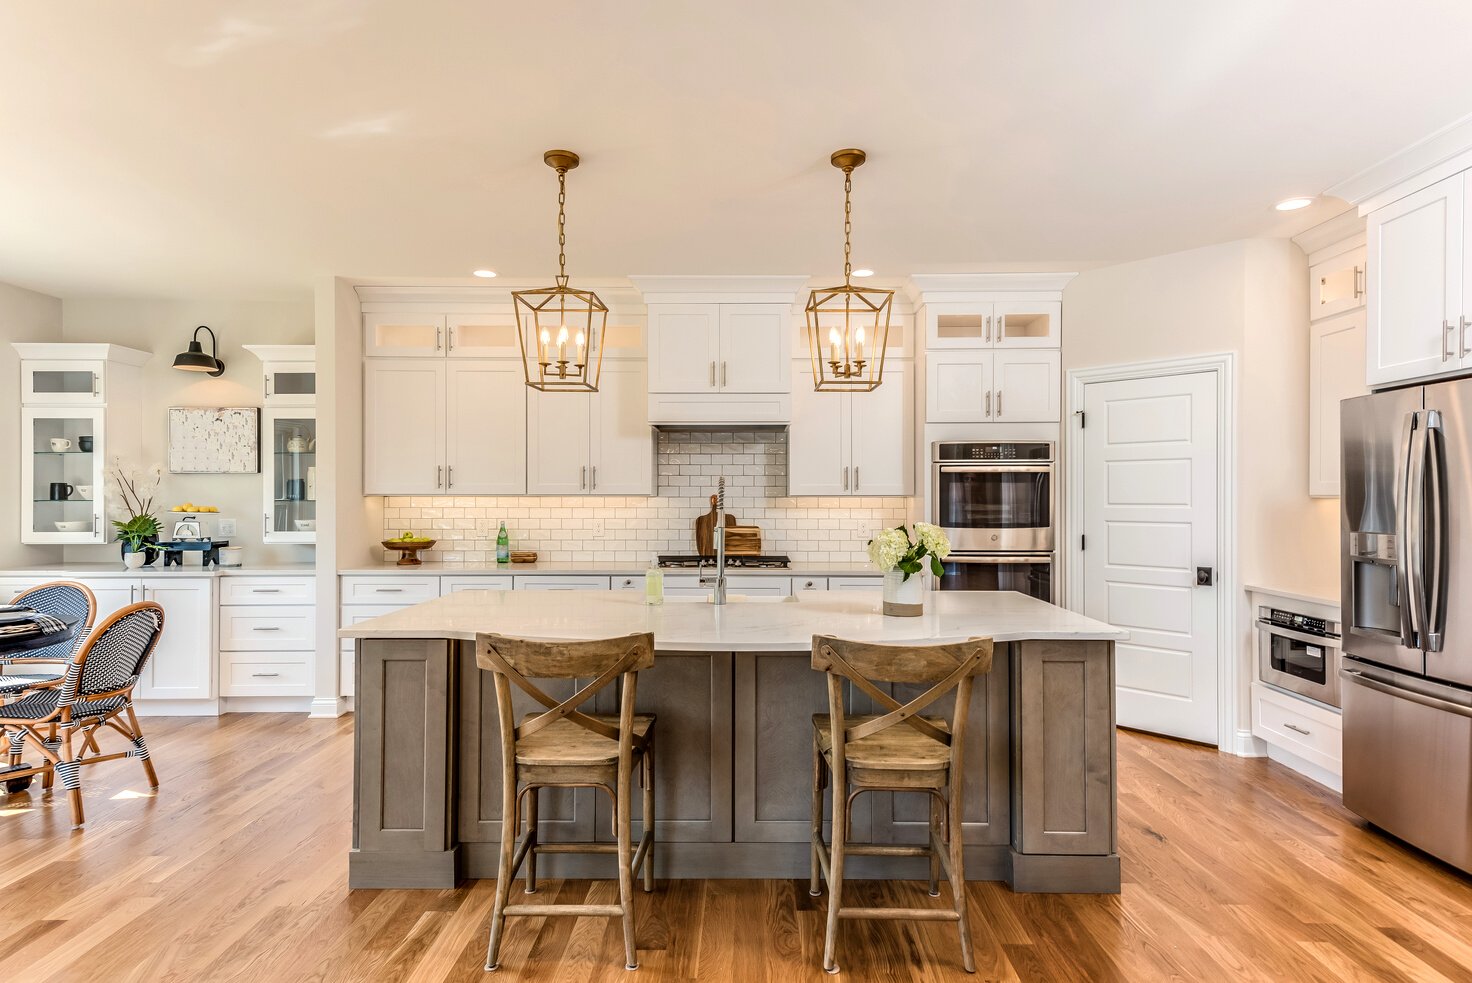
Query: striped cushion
[[41, 704]]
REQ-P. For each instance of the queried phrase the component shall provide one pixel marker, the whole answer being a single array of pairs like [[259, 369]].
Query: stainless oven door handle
[[1299, 636], [998, 559], [995, 468]]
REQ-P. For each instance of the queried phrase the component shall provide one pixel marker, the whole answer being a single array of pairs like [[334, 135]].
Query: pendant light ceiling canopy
[[848, 326], [560, 328]]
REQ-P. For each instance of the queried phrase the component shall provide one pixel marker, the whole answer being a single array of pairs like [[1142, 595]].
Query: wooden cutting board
[[743, 541], [705, 529]]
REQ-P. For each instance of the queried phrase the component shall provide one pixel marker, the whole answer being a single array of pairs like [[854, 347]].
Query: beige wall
[[164, 328], [24, 316]]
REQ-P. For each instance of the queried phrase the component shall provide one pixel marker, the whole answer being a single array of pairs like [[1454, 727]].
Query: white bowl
[[74, 525], [306, 525], [231, 556]]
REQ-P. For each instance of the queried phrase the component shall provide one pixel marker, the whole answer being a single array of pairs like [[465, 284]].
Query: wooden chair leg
[[503, 874], [648, 824], [835, 877], [935, 841], [531, 831], [626, 870], [141, 746], [71, 779], [815, 887], [958, 876], [48, 779]]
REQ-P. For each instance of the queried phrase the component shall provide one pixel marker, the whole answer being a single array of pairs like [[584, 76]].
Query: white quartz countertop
[[1328, 602], [92, 571], [785, 624], [609, 568]]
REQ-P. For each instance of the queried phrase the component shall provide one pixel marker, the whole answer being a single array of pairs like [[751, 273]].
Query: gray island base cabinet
[[734, 767]]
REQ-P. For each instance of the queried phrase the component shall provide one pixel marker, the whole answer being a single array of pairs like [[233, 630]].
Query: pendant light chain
[[562, 226], [848, 222]]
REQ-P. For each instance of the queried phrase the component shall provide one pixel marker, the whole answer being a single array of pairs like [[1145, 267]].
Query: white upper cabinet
[[1337, 284], [858, 443], [958, 386], [621, 442], [404, 335], [557, 437], [1026, 387], [288, 374], [482, 336], [403, 426], [1000, 324], [684, 347], [1417, 320], [1336, 372], [754, 348], [485, 427]]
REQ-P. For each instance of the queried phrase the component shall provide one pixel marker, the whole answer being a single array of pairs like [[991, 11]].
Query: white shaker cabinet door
[[485, 424], [1336, 363], [1415, 256], [182, 664], [818, 438], [883, 435], [958, 387], [403, 426], [684, 347], [621, 459], [1027, 387], [557, 443], [755, 348]]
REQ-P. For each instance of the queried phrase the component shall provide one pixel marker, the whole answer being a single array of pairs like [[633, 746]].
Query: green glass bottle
[[503, 545]]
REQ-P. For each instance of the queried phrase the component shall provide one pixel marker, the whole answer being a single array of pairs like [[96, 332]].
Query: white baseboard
[[330, 706], [1308, 769], [177, 708], [265, 704], [1246, 745]]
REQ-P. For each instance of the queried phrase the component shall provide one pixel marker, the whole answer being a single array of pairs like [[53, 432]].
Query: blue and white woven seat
[[61, 599]]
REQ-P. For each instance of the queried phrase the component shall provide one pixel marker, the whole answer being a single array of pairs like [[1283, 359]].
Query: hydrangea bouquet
[[897, 549]]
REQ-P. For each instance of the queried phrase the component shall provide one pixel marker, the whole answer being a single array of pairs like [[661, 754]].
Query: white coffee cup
[[60, 444], [85, 491]]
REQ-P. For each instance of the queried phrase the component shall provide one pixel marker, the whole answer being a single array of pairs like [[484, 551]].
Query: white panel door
[[1415, 297], [182, 664], [1150, 516], [1336, 363], [485, 427], [818, 438], [684, 347], [1026, 387], [884, 435], [557, 442], [403, 426], [621, 458], [958, 387], [754, 349]]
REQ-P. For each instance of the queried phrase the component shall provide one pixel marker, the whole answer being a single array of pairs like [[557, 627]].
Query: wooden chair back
[[949, 667], [517, 661], [63, 599]]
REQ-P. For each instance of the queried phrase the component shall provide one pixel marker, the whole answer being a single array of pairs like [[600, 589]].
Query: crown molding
[[718, 289], [1427, 161], [923, 288], [283, 353], [1346, 225], [67, 350]]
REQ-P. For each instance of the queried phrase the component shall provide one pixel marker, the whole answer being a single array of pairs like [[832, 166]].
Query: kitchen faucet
[[719, 538]]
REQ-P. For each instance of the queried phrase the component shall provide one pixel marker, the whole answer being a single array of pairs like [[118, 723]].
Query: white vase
[[133, 561], [904, 598]]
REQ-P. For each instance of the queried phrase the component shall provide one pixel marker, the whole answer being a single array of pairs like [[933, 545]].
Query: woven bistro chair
[[64, 599], [895, 751], [562, 747], [63, 720]]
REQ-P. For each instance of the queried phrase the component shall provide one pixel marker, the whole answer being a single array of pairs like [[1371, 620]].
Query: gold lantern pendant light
[[561, 329], [848, 326]]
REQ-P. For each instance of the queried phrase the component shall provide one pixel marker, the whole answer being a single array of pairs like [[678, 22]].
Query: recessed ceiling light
[[863, 272], [1291, 204], [487, 274]]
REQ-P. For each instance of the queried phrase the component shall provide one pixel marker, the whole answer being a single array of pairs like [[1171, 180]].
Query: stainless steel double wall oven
[[997, 503]]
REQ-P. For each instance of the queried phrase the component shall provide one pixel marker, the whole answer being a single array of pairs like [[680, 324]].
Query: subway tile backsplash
[[810, 530]]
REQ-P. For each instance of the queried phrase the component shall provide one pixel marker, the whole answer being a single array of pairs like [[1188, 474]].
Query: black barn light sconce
[[195, 360]]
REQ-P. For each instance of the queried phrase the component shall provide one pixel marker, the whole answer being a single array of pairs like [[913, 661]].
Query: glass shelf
[[296, 453], [63, 501], [296, 501], [63, 453]]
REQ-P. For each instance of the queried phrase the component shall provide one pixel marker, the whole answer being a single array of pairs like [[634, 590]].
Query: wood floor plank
[[235, 869]]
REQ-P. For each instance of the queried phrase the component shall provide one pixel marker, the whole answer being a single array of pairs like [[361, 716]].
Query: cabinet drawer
[[800, 584], [855, 583], [451, 585], [263, 678], [627, 583], [747, 585], [259, 590], [1307, 730], [562, 583], [389, 590], [275, 629]]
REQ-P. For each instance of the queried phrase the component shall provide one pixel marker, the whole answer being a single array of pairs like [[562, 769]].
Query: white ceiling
[[181, 148]]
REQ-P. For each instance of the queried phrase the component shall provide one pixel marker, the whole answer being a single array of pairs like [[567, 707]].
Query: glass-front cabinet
[[289, 468]]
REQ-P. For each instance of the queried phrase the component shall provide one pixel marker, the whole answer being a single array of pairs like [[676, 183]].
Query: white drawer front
[[357, 615], [855, 583], [452, 585], [747, 585], [627, 583], [1308, 731], [561, 583], [389, 590], [271, 629], [800, 584], [264, 590], [261, 678]]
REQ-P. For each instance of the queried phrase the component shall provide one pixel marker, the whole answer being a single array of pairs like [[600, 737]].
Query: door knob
[[1203, 576]]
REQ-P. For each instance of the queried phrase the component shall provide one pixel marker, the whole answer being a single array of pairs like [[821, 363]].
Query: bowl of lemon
[[408, 546]]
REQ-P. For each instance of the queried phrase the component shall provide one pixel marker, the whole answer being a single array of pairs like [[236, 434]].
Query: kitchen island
[[734, 694]]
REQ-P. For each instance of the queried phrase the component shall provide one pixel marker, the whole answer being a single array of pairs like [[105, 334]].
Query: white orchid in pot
[[902, 553]]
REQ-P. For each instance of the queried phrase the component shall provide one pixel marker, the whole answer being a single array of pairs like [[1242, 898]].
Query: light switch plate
[[227, 527], [597, 528]]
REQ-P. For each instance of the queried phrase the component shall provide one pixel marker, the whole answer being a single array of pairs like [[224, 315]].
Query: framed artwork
[[205, 440]]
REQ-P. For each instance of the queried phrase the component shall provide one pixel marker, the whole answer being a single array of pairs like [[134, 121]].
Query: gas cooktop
[[691, 560]]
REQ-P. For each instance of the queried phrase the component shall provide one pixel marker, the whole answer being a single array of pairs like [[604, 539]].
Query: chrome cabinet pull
[[723, 375], [1446, 331], [856, 477], [265, 523], [988, 402], [439, 475], [450, 337], [712, 375], [388, 590], [1298, 730], [583, 481], [438, 333], [450, 476], [845, 479], [268, 386], [999, 404], [266, 628], [96, 383], [265, 675], [595, 476], [96, 523], [988, 336], [1359, 283], [265, 590]]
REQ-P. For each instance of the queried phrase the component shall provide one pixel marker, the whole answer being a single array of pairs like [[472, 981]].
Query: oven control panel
[[1299, 622], [955, 450]]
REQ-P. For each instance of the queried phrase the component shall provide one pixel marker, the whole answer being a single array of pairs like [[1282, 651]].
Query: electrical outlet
[[597, 529], [227, 527]]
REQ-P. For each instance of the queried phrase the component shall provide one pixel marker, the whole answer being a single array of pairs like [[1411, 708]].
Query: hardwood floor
[[1234, 869]]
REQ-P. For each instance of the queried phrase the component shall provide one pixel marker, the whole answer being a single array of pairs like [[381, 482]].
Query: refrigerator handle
[[1434, 553], [1403, 462]]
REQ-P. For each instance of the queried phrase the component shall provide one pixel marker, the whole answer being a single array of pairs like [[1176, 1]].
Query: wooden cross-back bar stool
[[563, 747], [895, 751]]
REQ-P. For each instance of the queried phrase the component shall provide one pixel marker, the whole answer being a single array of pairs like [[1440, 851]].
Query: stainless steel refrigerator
[[1406, 586]]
